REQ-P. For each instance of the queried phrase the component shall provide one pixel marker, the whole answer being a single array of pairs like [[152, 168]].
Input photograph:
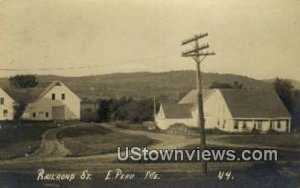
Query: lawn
[[279, 140], [16, 141], [94, 139]]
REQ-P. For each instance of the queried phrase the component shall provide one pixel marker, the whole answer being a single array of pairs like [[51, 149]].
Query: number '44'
[[225, 175]]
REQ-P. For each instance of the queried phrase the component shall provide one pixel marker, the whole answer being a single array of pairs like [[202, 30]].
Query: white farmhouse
[[183, 112], [231, 110], [6, 106], [48, 101]]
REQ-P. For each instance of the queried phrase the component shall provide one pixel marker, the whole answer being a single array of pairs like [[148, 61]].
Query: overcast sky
[[257, 38]]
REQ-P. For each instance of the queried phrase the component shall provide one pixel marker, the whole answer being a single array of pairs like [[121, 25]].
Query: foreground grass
[[274, 140], [93, 140], [16, 141]]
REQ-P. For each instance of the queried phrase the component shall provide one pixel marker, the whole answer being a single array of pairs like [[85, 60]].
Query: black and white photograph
[[178, 93]]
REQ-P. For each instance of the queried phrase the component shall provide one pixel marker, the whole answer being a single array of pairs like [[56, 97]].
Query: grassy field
[[92, 140], [125, 125], [16, 141], [280, 140]]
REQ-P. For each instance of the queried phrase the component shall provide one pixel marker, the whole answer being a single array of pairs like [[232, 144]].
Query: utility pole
[[198, 55], [154, 108]]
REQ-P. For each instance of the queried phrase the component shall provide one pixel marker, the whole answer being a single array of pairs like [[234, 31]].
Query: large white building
[[47, 101], [6, 106], [232, 110]]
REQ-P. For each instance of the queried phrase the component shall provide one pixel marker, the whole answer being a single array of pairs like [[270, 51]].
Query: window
[[5, 113], [2, 100], [47, 114], [53, 96], [279, 125], [33, 114], [236, 124], [224, 123], [244, 124], [63, 96], [259, 125], [218, 122]]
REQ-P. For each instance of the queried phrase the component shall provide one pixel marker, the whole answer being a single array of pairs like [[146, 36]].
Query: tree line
[[123, 109]]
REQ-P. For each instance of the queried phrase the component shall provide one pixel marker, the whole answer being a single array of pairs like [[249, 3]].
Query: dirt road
[[50, 147]]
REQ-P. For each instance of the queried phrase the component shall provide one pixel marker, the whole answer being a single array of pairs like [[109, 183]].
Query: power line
[[90, 66]]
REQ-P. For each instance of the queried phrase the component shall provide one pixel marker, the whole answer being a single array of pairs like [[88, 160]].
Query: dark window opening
[[244, 124], [47, 114], [53, 96], [236, 124], [5, 112], [2, 100], [259, 125], [63, 96], [34, 114]]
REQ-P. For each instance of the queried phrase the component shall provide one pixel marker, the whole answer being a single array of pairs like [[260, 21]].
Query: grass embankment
[[93, 140], [17, 141], [274, 140]]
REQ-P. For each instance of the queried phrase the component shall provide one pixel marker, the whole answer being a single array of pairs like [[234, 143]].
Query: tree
[[23, 81], [19, 110], [220, 85], [105, 110], [285, 91], [237, 85], [125, 109], [290, 98]]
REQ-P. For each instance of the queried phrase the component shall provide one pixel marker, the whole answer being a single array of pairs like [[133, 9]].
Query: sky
[[257, 38]]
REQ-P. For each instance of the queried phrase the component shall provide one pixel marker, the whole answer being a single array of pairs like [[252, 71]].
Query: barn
[[47, 101]]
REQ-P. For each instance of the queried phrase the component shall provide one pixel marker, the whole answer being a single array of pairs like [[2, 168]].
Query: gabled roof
[[191, 97], [254, 103], [177, 111], [5, 93], [29, 95]]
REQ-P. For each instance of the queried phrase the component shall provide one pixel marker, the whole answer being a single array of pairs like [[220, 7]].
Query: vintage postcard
[[178, 93]]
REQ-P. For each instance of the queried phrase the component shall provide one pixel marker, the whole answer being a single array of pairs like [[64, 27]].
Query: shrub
[[178, 128]]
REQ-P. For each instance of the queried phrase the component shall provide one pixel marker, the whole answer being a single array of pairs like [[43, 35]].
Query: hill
[[145, 84]]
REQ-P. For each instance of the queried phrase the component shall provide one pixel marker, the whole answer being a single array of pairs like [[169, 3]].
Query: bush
[[178, 128]]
